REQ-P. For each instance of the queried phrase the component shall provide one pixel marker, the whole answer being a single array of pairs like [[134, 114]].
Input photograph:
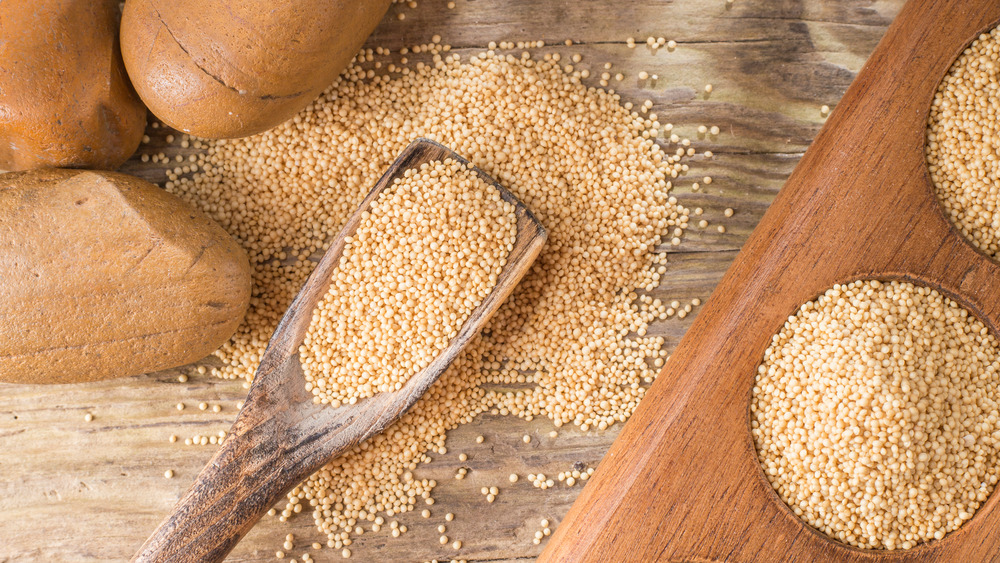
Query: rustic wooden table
[[92, 491]]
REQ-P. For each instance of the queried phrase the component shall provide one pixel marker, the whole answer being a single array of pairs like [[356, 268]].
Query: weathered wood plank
[[476, 22], [77, 491]]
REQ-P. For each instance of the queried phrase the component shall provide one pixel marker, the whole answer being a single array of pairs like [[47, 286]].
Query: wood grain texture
[[77, 491], [859, 205]]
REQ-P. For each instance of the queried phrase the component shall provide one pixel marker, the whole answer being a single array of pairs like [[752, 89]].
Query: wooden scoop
[[682, 482], [281, 436]]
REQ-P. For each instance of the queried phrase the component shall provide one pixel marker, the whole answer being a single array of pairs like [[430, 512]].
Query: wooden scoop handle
[[278, 440], [223, 504], [264, 457]]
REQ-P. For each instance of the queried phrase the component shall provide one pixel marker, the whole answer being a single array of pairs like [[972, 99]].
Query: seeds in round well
[[875, 414], [963, 143]]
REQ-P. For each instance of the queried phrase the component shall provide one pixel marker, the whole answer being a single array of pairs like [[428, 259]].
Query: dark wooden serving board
[[682, 481]]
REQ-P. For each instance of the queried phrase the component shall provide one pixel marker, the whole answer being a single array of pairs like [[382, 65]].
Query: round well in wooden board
[[992, 322], [958, 300], [960, 143]]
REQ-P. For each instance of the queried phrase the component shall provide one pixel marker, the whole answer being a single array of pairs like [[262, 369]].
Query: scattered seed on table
[[334, 121]]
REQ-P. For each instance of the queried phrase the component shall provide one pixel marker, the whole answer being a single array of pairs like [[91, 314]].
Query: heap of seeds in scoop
[[587, 167], [875, 414], [425, 254], [963, 142]]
